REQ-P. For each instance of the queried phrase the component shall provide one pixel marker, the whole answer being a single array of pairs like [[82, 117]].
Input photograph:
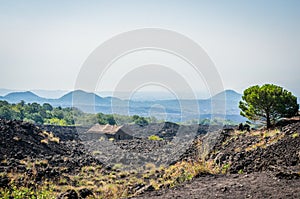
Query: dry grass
[[54, 139], [238, 132], [48, 136], [120, 184], [271, 133], [256, 145], [263, 138], [44, 141], [43, 162], [16, 138], [255, 133], [237, 150]]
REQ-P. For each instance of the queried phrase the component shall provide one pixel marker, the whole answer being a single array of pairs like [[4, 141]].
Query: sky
[[44, 44]]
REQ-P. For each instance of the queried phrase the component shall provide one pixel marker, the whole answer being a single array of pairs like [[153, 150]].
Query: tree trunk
[[268, 121]]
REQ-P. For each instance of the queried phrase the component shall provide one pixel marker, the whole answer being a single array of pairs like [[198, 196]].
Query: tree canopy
[[46, 114], [268, 103]]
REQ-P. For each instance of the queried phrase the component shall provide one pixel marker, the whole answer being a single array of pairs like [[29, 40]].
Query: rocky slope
[[255, 151], [23, 144], [254, 164]]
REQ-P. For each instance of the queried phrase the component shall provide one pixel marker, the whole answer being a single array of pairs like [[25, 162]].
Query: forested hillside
[[47, 114]]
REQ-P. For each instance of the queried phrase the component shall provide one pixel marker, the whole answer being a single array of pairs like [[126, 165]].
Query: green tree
[[47, 107], [141, 121], [58, 113], [111, 120], [135, 117], [69, 118], [101, 118], [35, 107], [20, 107], [6, 113], [37, 118], [268, 103]]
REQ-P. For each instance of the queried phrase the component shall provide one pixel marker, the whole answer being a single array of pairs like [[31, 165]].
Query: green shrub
[[117, 166], [56, 121], [225, 168], [154, 137], [25, 192], [294, 135]]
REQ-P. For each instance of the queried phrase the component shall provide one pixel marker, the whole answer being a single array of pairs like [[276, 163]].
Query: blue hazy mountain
[[229, 95], [224, 105], [86, 101], [79, 97], [27, 96], [48, 94], [231, 102]]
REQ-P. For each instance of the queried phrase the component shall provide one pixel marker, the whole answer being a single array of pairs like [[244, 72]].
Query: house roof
[[109, 129]]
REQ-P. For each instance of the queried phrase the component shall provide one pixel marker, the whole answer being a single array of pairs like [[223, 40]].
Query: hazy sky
[[43, 44]]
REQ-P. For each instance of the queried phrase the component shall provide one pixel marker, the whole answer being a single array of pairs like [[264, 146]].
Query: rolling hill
[[223, 105]]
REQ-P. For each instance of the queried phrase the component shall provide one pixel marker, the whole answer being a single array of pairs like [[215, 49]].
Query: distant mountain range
[[50, 94], [224, 105]]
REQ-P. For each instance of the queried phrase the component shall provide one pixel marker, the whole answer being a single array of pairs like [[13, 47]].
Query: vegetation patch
[[47, 114], [154, 138], [108, 184], [295, 135]]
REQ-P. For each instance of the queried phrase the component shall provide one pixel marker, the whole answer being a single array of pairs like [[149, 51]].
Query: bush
[[154, 137], [25, 192], [141, 121], [56, 121]]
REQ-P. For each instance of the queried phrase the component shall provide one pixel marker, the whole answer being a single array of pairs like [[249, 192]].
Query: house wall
[[121, 135]]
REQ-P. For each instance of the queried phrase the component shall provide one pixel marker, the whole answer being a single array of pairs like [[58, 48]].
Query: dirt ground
[[254, 185]]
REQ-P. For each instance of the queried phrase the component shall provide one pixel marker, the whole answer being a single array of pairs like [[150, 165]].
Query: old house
[[107, 131]]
